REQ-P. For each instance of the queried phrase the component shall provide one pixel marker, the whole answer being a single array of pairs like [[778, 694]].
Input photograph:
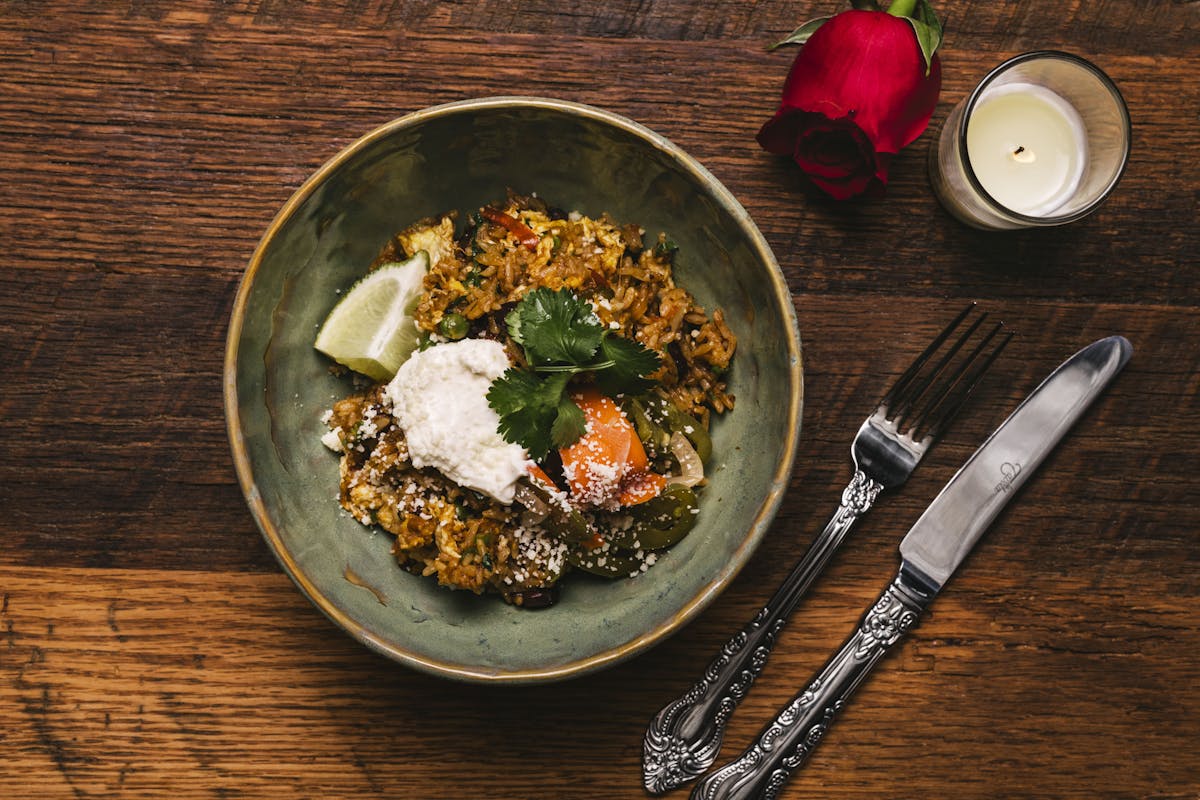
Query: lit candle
[[1041, 141], [1027, 148]]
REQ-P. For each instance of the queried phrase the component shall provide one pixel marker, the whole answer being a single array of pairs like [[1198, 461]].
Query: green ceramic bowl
[[461, 156]]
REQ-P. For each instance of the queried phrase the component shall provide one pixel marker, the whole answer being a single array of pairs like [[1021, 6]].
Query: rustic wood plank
[[149, 645], [971, 24], [134, 684], [159, 137], [150, 451]]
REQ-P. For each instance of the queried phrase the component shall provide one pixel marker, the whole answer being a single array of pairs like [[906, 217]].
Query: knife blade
[[930, 552]]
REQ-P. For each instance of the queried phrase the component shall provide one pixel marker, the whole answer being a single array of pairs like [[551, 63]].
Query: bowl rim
[[694, 605]]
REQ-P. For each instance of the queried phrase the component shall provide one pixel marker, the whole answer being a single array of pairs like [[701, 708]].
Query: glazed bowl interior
[[462, 156]]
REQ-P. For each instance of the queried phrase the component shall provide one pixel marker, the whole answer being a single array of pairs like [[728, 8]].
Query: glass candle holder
[[1041, 141]]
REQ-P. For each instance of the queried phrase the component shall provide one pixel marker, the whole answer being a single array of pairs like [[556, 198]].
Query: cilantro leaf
[[556, 328], [528, 406], [569, 424], [513, 321], [631, 362], [562, 337]]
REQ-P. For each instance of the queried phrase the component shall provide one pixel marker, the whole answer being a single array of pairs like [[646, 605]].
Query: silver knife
[[930, 552]]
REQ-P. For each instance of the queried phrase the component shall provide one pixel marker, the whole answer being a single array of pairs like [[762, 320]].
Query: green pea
[[453, 326]]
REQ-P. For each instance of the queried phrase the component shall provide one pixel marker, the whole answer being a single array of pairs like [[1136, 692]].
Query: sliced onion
[[536, 509], [691, 468]]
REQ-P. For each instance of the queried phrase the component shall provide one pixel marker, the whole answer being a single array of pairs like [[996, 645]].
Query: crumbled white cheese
[[333, 440], [439, 400]]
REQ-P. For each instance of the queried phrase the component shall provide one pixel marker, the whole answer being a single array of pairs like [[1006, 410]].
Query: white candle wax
[[1027, 148]]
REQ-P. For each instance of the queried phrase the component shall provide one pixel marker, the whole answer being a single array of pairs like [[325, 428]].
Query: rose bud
[[863, 86]]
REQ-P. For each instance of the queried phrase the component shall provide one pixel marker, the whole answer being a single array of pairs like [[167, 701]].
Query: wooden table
[[151, 647]]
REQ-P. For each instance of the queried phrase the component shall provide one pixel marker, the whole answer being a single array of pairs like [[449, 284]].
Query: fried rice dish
[[555, 415]]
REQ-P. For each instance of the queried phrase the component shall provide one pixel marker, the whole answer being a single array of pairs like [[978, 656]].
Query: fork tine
[[938, 416], [936, 398], [925, 399], [917, 406], [900, 387], [920, 397], [685, 735]]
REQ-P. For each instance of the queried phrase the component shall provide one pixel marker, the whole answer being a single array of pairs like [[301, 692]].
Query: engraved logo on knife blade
[[1010, 470]]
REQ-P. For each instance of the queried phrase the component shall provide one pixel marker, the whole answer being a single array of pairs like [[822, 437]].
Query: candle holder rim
[[977, 92]]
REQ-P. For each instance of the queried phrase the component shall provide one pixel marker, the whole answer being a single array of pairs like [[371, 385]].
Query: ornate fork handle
[[762, 770], [685, 736]]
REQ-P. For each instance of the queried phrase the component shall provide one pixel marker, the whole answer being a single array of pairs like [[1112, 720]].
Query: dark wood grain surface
[[151, 647]]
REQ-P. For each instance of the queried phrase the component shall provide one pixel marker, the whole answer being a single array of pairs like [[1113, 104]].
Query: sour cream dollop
[[439, 399]]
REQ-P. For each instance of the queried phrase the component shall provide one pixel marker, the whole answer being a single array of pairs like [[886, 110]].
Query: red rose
[[860, 89]]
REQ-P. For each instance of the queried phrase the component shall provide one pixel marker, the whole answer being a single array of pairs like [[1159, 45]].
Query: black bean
[[538, 598]]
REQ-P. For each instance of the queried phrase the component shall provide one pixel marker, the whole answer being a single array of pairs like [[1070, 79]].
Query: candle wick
[[1023, 156]]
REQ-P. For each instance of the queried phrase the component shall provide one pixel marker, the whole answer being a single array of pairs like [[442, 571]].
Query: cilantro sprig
[[561, 337]]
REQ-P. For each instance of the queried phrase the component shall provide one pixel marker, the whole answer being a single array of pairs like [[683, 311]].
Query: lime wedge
[[371, 330]]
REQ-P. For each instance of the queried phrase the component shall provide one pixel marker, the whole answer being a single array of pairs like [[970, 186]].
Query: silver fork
[[685, 736]]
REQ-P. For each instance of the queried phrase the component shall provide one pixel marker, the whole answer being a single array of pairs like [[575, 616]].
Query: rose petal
[[834, 148], [844, 189], [835, 153], [866, 64], [780, 132], [852, 185]]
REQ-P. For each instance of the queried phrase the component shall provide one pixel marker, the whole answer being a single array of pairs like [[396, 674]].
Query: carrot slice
[[642, 487], [539, 475], [608, 461]]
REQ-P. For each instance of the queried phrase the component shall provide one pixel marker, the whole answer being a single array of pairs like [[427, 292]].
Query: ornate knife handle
[[685, 736], [762, 770]]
